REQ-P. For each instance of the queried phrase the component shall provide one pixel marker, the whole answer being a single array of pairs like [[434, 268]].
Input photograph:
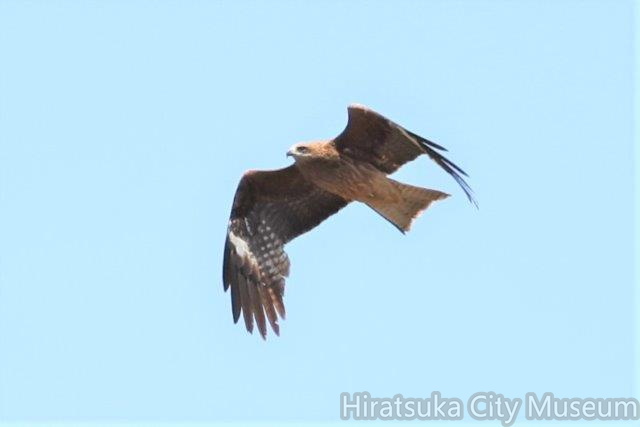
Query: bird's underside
[[271, 208]]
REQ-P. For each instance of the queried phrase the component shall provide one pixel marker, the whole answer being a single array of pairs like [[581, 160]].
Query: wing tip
[[451, 168], [258, 308], [424, 141], [473, 201]]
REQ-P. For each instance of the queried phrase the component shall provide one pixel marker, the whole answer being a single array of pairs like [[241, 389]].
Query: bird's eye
[[303, 150]]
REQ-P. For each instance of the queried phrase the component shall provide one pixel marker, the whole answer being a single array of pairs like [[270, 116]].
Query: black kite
[[271, 208]]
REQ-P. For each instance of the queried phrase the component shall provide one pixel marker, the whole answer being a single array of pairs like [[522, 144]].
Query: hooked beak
[[290, 153]]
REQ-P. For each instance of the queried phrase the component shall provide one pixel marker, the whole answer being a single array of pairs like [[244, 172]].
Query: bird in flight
[[271, 208]]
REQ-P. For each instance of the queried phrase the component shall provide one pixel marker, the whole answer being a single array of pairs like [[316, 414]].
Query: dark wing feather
[[375, 139], [270, 208]]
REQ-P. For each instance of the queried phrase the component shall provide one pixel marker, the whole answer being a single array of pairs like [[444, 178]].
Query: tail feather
[[411, 203]]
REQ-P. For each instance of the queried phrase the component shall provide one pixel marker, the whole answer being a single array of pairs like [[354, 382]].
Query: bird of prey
[[272, 208]]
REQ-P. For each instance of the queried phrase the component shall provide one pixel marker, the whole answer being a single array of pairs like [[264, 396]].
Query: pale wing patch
[[242, 249]]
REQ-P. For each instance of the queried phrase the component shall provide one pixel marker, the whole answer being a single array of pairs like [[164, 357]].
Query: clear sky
[[125, 127]]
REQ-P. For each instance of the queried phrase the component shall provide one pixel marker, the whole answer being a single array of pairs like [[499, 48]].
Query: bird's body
[[339, 175], [359, 181], [273, 207]]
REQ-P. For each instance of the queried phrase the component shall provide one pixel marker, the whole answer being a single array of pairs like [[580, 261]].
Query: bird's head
[[302, 150], [310, 150]]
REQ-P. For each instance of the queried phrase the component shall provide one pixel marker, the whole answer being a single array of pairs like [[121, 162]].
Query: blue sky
[[125, 127]]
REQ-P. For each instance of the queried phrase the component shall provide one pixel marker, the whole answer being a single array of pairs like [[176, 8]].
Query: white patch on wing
[[242, 248], [248, 225]]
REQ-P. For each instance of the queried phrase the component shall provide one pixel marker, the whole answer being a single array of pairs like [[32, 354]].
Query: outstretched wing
[[375, 139], [270, 208]]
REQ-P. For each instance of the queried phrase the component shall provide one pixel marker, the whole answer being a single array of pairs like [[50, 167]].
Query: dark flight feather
[[373, 138]]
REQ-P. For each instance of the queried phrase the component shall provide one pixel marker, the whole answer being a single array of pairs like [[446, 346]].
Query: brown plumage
[[271, 208]]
